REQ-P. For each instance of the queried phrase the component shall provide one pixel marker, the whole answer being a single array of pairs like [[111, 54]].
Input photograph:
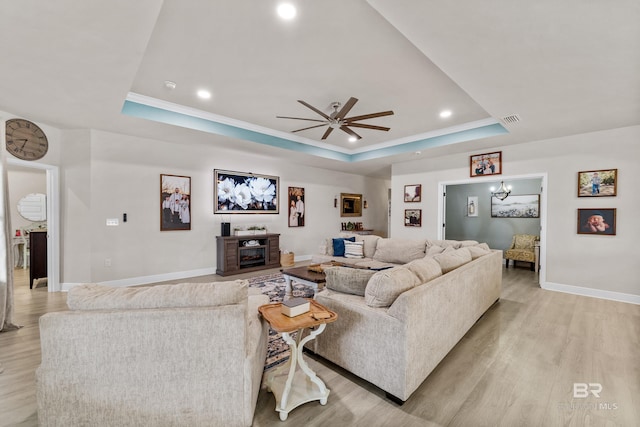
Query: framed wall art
[[485, 164], [598, 183], [524, 206], [245, 193], [413, 217], [296, 207], [472, 206], [412, 193], [597, 221], [175, 202]]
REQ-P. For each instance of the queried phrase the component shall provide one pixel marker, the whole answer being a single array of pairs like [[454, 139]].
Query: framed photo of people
[[175, 202], [485, 164], [412, 193], [413, 217], [296, 206], [597, 221], [598, 183]]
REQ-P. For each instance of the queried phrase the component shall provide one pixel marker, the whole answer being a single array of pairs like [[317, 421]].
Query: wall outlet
[[112, 221], [107, 262]]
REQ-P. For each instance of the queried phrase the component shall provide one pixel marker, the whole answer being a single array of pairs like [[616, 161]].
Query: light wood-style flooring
[[516, 367]]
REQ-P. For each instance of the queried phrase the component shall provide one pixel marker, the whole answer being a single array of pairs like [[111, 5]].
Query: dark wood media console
[[237, 254]]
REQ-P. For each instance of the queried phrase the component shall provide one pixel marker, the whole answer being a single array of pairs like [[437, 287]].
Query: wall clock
[[25, 140]]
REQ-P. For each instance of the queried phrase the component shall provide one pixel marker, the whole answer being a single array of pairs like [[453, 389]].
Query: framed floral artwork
[[598, 183], [485, 164], [521, 206], [175, 202], [245, 193]]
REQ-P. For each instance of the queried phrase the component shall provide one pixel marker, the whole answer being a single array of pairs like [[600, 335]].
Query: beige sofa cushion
[[479, 250], [386, 285], [450, 260], [370, 244], [399, 251], [348, 280], [426, 269], [101, 297]]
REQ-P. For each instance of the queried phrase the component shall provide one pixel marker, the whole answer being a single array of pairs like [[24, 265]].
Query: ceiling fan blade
[[327, 133], [368, 116], [350, 132], [310, 127], [311, 107], [362, 125], [346, 108], [300, 118]]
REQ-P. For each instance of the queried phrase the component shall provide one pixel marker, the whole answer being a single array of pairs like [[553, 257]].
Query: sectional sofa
[[396, 325]]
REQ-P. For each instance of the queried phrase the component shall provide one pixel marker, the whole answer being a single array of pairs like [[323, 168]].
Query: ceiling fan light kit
[[338, 120]]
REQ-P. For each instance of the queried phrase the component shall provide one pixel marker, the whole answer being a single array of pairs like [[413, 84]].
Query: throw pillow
[[348, 280], [387, 285], [101, 297], [450, 260], [399, 251], [353, 249], [426, 269], [338, 245]]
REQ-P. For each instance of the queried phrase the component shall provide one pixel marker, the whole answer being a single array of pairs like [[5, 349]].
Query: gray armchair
[[190, 354]]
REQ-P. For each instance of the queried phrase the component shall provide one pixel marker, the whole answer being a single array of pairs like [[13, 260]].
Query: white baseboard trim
[[143, 280], [590, 292]]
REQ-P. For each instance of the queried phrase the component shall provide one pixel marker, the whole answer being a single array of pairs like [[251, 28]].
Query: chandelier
[[502, 193]]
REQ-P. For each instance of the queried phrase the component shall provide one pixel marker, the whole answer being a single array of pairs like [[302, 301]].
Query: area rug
[[273, 285]]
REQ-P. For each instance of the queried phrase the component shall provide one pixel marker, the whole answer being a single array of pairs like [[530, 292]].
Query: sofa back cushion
[[450, 260], [425, 268], [399, 251], [101, 297], [387, 285], [479, 250], [348, 280], [370, 244]]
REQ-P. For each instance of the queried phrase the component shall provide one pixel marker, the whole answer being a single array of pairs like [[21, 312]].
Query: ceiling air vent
[[509, 120]]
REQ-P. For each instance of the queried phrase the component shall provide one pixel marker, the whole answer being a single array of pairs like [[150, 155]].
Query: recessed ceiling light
[[445, 113], [286, 11], [204, 94], [352, 139], [169, 84]]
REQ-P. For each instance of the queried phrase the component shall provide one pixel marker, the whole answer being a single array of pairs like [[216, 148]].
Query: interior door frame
[[442, 185], [53, 218]]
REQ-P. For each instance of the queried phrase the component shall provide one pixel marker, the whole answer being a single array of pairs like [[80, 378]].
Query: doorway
[[458, 224], [51, 176]]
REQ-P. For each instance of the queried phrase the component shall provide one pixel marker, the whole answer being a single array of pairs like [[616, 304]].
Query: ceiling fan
[[338, 119]]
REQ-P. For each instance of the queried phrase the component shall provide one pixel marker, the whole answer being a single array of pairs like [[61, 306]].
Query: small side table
[[292, 386]]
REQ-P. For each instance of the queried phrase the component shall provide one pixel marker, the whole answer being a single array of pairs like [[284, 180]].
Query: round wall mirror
[[33, 207]]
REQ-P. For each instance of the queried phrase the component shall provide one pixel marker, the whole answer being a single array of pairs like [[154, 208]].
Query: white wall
[[106, 175], [605, 266]]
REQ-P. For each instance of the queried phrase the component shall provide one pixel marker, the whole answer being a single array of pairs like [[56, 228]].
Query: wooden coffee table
[[290, 386], [303, 275]]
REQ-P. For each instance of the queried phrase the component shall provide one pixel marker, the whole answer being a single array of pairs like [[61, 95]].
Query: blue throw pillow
[[338, 245]]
